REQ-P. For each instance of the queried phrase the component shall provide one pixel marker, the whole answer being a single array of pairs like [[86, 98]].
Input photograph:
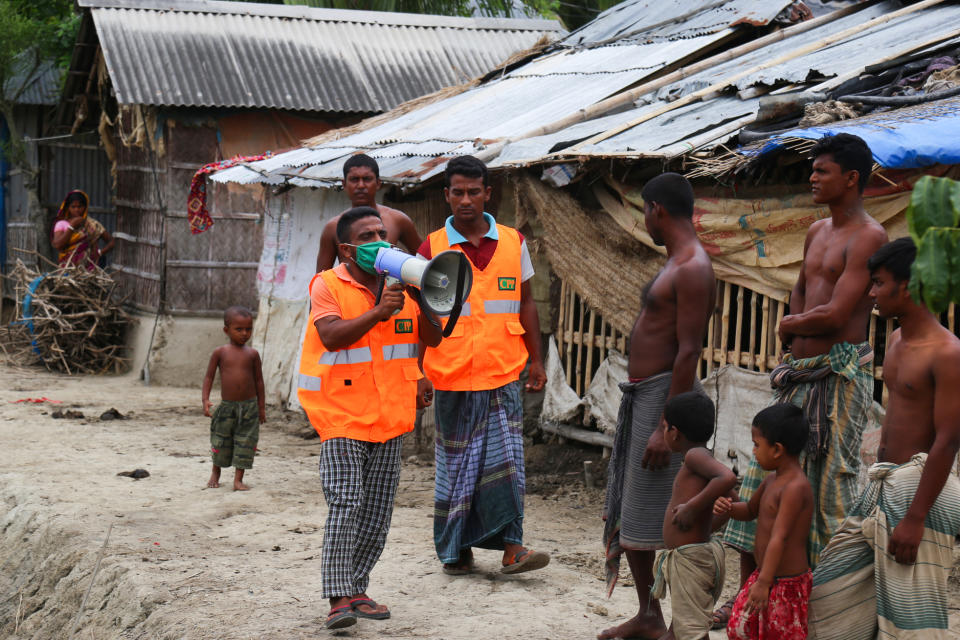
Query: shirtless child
[[361, 181], [773, 601], [693, 563], [884, 573], [235, 427]]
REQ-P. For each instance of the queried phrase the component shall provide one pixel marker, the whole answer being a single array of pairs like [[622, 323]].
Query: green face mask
[[367, 254]]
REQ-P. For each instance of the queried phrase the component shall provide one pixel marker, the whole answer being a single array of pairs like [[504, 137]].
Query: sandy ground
[[186, 562]]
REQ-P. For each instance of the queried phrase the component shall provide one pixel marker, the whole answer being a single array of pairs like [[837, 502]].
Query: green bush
[[933, 218]]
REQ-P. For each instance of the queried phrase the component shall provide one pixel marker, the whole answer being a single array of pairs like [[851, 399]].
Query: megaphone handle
[[383, 283], [458, 299]]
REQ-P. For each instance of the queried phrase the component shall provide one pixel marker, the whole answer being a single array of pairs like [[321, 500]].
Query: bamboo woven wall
[[156, 255], [742, 332]]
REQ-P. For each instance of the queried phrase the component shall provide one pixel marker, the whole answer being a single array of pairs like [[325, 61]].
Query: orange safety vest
[[486, 348], [368, 390]]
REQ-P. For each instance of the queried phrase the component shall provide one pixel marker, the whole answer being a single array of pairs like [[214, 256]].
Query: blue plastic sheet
[[906, 138]]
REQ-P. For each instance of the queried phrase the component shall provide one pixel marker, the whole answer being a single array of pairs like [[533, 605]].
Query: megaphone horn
[[437, 278]]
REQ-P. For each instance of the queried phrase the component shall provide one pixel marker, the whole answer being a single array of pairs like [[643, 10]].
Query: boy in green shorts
[[235, 427]]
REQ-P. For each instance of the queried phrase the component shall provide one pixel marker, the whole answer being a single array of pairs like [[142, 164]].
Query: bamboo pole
[[718, 86], [560, 327], [951, 318], [764, 331], [604, 327], [776, 331], [583, 321], [725, 322], [737, 339], [753, 330], [590, 347], [627, 98], [570, 304], [710, 331]]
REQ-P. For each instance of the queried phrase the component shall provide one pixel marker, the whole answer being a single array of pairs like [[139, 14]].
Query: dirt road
[[186, 562]]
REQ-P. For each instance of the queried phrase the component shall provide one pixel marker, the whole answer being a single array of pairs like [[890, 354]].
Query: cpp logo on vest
[[403, 326], [507, 284]]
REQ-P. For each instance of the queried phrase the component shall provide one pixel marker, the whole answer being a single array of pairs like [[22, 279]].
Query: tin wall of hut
[[174, 86]]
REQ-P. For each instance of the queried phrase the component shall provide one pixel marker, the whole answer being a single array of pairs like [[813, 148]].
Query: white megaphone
[[438, 279]]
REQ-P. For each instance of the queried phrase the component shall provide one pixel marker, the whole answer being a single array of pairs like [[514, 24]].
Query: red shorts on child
[[785, 617]]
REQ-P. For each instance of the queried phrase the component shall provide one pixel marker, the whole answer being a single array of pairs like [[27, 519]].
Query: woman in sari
[[77, 236]]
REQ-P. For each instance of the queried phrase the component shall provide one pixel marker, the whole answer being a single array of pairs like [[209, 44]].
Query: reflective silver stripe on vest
[[465, 311], [501, 306], [309, 383], [346, 356], [397, 351]]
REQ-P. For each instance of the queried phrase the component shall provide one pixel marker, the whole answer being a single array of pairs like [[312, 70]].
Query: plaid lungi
[[480, 482], [359, 482], [838, 404]]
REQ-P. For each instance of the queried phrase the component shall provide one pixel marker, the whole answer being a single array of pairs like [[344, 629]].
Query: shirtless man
[[826, 327], [361, 181], [665, 346], [894, 579]]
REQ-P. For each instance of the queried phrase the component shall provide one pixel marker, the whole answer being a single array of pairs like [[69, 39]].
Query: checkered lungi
[[359, 482]]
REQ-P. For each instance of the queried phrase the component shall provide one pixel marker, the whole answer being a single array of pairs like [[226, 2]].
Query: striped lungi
[[637, 498], [837, 406], [860, 589], [480, 482]]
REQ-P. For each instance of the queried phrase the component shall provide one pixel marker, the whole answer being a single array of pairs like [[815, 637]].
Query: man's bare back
[[833, 286], [654, 340], [399, 226]]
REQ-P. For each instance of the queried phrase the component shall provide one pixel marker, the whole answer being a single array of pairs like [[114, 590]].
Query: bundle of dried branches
[[69, 319]]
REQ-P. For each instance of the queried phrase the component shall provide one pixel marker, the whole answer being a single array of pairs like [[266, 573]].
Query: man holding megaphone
[[479, 408], [358, 385]]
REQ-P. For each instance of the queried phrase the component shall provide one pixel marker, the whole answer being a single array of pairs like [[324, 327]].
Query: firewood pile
[[69, 319]]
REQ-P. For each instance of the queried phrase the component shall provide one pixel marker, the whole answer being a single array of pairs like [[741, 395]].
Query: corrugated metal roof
[[43, 85], [671, 19], [415, 145], [231, 54]]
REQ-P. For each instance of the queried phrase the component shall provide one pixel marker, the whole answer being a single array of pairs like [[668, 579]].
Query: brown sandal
[[722, 615]]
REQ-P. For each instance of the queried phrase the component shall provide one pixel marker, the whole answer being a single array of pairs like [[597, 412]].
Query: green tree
[[32, 33], [506, 8], [933, 218]]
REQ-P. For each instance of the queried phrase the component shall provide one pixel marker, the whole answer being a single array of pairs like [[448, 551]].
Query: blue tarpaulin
[[906, 138]]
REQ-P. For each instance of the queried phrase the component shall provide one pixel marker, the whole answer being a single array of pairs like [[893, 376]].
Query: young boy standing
[[235, 427], [693, 563], [773, 601]]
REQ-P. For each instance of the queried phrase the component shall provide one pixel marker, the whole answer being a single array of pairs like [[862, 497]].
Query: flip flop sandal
[[457, 569], [526, 560], [346, 618], [722, 615], [359, 602]]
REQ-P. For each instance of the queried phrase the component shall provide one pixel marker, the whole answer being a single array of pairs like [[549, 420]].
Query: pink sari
[[82, 248]]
